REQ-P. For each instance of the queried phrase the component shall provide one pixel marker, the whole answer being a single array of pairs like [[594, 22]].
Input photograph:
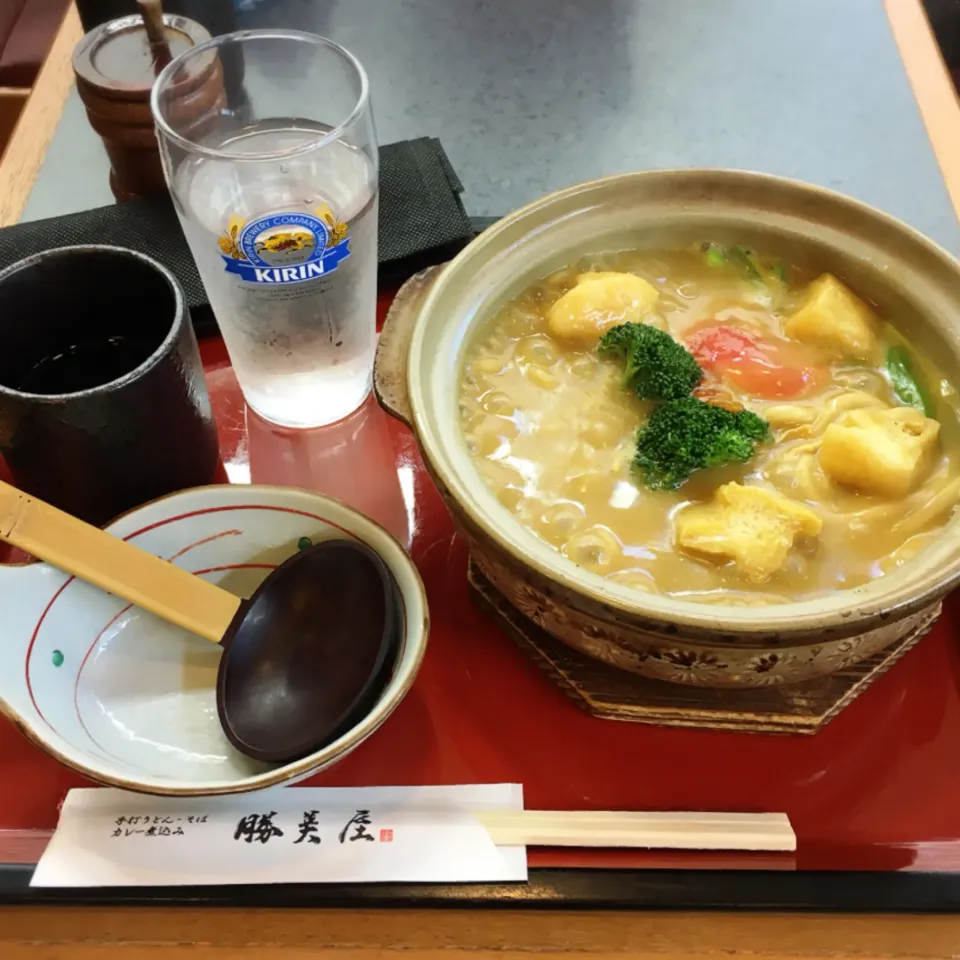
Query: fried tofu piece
[[835, 320], [753, 527], [598, 302], [886, 452]]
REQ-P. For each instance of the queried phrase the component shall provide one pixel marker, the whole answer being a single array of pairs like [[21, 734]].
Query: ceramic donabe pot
[[420, 360]]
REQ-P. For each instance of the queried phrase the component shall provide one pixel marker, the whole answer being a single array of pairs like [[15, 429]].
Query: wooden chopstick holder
[[651, 830]]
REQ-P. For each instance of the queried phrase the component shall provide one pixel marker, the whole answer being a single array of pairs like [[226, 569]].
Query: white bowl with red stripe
[[129, 700]]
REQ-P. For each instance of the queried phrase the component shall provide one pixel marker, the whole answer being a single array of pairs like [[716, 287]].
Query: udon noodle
[[553, 431]]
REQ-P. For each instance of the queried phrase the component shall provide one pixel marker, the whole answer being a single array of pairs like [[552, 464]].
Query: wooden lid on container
[[115, 60]]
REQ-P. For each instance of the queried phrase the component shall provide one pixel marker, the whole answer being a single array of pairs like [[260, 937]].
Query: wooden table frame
[[157, 933], [21, 161], [98, 933]]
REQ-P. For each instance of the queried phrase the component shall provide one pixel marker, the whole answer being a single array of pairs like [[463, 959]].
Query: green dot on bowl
[[303, 543], [57, 658]]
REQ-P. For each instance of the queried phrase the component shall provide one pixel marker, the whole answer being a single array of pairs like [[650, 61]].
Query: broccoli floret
[[687, 435], [655, 366]]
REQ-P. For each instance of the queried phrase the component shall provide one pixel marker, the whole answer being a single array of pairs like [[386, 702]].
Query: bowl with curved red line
[[130, 700]]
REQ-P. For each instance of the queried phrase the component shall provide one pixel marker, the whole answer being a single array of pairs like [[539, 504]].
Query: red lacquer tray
[[877, 790]]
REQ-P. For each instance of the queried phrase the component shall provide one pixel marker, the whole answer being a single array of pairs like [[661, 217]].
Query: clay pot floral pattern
[[688, 666], [769, 669], [530, 602], [661, 657]]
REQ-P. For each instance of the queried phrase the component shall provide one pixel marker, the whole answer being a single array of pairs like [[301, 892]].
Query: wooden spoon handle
[[651, 830], [93, 555], [152, 14]]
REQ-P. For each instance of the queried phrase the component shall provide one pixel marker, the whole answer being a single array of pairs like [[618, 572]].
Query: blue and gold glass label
[[285, 248]]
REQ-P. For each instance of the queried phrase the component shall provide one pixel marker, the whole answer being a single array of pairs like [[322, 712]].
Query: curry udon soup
[[854, 471]]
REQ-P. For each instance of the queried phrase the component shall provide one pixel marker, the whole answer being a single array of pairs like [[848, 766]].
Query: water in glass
[[300, 332]]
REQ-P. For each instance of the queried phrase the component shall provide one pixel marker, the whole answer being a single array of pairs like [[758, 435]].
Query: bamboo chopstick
[[652, 830]]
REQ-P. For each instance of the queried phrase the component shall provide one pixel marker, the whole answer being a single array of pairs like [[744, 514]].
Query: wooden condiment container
[[115, 73]]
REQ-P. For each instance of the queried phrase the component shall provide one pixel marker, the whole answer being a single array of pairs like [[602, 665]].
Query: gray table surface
[[531, 95]]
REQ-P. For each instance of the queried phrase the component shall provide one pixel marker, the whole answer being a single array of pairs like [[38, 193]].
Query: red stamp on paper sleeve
[[386, 835]]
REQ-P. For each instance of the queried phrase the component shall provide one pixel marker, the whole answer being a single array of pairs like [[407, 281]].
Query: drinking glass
[[274, 178]]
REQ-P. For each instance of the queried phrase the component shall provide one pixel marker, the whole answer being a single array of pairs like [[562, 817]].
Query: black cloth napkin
[[422, 221]]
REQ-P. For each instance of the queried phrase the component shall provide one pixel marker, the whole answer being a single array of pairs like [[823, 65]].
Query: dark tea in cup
[[85, 365], [103, 403]]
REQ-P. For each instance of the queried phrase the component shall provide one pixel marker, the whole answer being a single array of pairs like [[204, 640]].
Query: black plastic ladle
[[304, 659]]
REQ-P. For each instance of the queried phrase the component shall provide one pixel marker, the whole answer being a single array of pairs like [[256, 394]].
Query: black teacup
[[103, 404]]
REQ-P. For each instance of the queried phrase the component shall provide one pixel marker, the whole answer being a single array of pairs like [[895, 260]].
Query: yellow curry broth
[[552, 432]]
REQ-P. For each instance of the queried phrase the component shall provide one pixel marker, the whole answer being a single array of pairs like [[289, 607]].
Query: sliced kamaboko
[[764, 367]]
